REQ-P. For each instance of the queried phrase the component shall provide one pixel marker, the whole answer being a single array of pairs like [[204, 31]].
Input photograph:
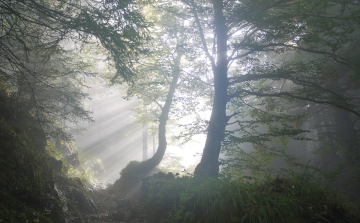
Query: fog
[[115, 137]]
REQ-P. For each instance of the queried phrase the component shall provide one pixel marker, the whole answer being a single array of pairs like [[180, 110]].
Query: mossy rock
[[131, 179]]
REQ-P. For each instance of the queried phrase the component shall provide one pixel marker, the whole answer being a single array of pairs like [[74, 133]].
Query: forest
[[270, 87]]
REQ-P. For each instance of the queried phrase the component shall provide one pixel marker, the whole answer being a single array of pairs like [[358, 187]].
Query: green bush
[[277, 200]]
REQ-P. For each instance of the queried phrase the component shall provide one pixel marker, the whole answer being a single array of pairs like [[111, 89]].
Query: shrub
[[190, 200]]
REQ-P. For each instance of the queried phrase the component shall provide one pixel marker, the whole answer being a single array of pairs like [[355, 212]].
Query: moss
[[131, 176], [130, 168]]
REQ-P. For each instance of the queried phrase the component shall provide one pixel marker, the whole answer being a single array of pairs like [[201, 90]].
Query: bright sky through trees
[[235, 59], [116, 138]]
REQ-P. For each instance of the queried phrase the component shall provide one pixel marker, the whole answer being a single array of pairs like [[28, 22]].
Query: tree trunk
[[209, 164], [144, 138], [151, 163], [154, 145], [132, 175]]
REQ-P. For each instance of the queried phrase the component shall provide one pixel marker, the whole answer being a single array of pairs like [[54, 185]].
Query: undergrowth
[[25, 180], [76, 164], [285, 200]]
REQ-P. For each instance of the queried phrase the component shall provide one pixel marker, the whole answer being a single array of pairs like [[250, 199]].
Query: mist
[[115, 136]]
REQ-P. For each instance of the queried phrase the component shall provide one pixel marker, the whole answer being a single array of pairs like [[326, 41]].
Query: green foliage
[[52, 150], [259, 135], [76, 164], [171, 163], [28, 162], [25, 179], [49, 49], [274, 200], [17, 152]]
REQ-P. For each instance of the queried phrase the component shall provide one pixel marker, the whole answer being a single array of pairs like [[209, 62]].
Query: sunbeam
[[116, 138]]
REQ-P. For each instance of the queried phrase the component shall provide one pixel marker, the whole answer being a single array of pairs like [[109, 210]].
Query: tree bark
[[209, 164], [132, 175]]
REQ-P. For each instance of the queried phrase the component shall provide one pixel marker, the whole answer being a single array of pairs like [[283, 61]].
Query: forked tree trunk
[[209, 164]]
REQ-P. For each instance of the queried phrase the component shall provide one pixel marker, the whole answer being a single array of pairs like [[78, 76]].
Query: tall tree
[[156, 83], [245, 32]]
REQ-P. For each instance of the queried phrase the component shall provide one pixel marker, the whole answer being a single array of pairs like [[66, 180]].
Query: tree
[[144, 168], [41, 46], [245, 31], [156, 83]]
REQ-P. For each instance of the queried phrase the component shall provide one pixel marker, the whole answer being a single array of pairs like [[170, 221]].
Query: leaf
[[36, 220], [244, 218]]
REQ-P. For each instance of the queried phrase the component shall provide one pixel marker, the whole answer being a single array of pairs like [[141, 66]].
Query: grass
[[190, 200]]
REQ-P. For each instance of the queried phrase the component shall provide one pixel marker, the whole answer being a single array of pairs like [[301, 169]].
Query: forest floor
[[163, 203]]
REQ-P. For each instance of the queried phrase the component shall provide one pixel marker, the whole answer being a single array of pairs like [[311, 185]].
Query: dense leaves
[[44, 57]]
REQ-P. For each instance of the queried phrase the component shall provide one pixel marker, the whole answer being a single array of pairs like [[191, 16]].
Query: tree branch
[[202, 36], [251, 77], [289, 95]]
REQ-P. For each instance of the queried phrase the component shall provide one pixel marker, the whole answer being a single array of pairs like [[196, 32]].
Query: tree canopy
[[44, 45], [255, 64]]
